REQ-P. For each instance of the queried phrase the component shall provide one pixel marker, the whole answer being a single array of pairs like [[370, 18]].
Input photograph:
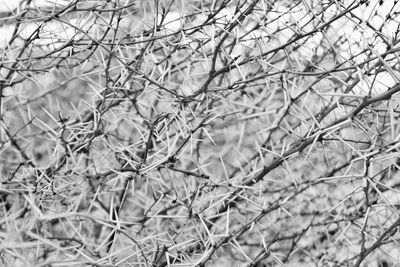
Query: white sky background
[[173, 23], [10, 5], [367, 13], [173, 17], [6, 6]]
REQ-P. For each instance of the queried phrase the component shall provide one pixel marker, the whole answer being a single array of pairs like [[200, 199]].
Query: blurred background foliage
[[171, 133]]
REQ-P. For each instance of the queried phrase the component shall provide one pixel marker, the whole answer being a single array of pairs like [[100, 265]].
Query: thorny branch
[[200, 133]]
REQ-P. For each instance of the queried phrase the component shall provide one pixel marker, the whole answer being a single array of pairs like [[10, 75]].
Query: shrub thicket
[[206, 133]]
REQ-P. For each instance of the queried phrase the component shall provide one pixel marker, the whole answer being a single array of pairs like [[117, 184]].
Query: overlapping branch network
[[161, 133]]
